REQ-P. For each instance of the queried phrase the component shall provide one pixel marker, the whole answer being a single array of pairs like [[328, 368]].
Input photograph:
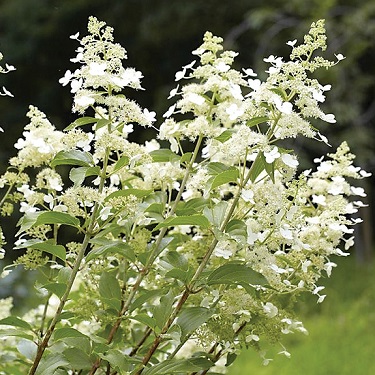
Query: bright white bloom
[[97, 69], [270, 309], [358, 191], [329, 118], [272, 155], [84, 101], [66, 79], [283, 107], [289, 160]]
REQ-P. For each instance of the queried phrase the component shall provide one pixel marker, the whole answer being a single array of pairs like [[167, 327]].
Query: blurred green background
[[159, 36]]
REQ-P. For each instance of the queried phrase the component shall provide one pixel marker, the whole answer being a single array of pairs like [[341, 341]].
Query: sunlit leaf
[[230, 175], [73, 157], [16, 322], [197, 220], [78, 175]]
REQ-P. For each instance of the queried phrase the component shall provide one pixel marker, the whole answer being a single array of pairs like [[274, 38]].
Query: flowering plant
[[169, 257]]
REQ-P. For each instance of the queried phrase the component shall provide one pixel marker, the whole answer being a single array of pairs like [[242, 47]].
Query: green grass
[[341, 338]]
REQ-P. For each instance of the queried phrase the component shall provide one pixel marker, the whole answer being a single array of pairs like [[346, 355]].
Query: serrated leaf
[[236, 273], [197, 220], [179, 366], [164, 155], [78, 175], [229, 175], [109, 290], [16, 322], [192, 318], [256, 120], [73, 157]]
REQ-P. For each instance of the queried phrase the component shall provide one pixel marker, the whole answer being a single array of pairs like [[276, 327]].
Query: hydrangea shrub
[[171, 256]]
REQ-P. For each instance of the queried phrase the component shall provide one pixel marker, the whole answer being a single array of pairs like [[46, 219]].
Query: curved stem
[[153, 255], [196, 276], [44, 343]]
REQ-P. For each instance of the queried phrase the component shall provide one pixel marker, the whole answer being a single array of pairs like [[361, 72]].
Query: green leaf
[[235, 273], [256, 120], [186, 157], [225, 135], [78, 175], [237, 229], [48, 246], [163, 310], [101, 123], [216, 215], [110, 291], [214, 168], [126, 192], [174, 366], [73, 157], [33, 219], [67, 332], [118, 360], [50, 363], [192, 318], [108, 247], [145, 319], [16, 333], [78, 359], [144, 297], [16, 322], [80, 122], [164, 155], [120, 163], [56, 288], [257, 167], [197, 220], [177, 260], [55, 217], [230, 175]]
